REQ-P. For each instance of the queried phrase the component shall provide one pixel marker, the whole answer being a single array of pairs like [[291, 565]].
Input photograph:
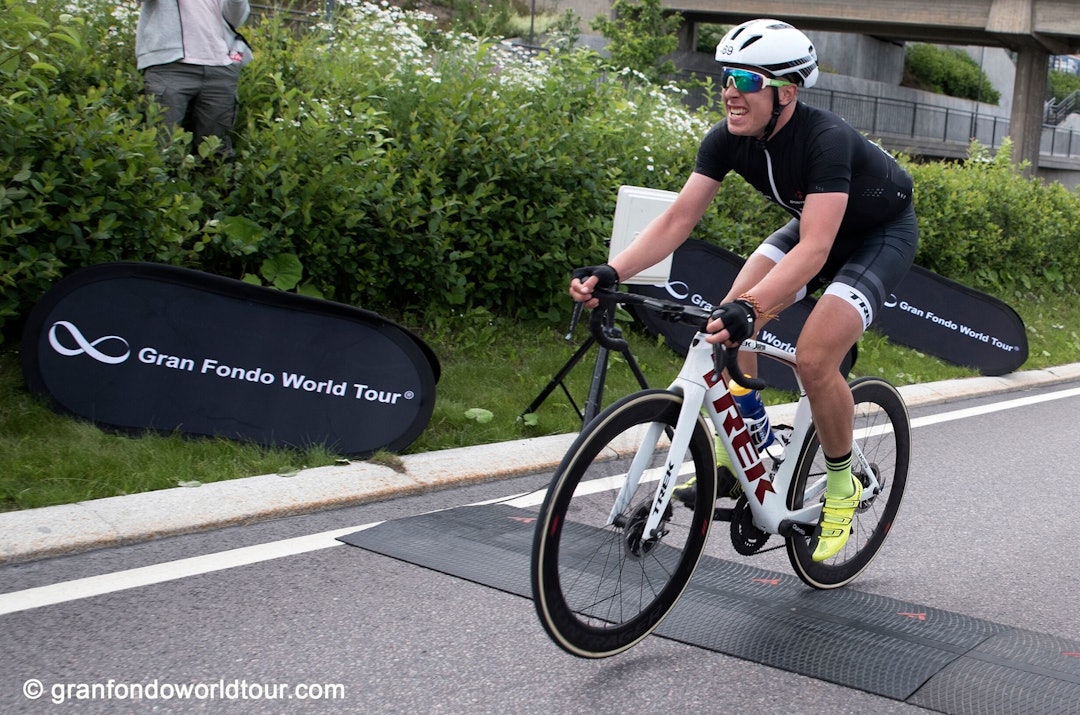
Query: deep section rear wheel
[[600, 584], [883, 434]]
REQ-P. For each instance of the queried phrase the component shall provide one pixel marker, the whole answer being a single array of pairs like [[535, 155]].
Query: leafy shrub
[[401, 167], [640, 35], [709, 36], [1062, 84], [383, 163], [977, 225], [947, 71], [84, 178]]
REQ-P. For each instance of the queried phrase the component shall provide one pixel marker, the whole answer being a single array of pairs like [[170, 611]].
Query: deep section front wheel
[[600, 583], [883, 436]]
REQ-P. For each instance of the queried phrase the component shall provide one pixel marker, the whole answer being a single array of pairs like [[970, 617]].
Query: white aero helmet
[[774, 46]]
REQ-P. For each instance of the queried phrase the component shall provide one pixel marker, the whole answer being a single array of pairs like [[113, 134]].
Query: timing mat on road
[[923, 656]]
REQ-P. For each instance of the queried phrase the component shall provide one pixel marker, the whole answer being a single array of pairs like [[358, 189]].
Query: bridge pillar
[[1029, 94], [1016, 18]]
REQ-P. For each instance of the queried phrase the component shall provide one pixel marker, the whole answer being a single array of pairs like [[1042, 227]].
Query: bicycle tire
[[597, 588], [883, 433]]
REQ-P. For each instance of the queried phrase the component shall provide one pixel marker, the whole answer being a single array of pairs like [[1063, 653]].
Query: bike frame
[[701, 385]]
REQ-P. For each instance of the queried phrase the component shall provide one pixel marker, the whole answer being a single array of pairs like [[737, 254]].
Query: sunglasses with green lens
[[748, 81]]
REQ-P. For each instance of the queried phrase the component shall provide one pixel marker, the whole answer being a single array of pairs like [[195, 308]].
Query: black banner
[[927, 312], [138, 346], [958, 324], [701, 274]]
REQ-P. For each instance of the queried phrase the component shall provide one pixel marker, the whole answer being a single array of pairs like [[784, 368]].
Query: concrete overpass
[[1033, 29]]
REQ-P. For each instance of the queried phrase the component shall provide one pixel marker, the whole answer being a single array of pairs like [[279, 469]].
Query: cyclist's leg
[[884, 442], [830, 331], [832, 327], [844, 312], [838, 320]]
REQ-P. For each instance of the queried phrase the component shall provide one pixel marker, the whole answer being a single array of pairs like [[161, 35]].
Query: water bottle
[[753, 413]]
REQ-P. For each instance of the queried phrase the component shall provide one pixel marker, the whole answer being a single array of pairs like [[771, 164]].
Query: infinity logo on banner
[[85, 346], [682, 293]]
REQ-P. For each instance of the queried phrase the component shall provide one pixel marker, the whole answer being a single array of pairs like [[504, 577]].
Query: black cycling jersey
[[815, 152]]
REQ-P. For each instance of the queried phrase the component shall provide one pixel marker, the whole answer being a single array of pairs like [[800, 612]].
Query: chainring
[[745, 537]]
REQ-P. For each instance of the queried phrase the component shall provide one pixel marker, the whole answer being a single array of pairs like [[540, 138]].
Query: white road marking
[[169, 571], [173, 570]]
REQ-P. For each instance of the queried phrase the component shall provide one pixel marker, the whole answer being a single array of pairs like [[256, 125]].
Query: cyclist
[[853, 232]]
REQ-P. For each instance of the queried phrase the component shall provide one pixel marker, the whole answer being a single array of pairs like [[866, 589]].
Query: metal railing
[[947, 131], [1055, 113], [879, 116], [882, 116]]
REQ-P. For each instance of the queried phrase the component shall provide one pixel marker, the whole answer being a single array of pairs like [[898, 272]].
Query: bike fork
[[642, 458], [680, 441]]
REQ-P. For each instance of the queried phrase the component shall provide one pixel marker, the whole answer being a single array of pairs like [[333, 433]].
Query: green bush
[[397, 173], [978, 224], [709, 36], [947, 71], [84, 178], [384, 163], [640, 35], [1062, 84]]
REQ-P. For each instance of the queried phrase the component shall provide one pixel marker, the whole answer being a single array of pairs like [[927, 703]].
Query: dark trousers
[[202, 100]]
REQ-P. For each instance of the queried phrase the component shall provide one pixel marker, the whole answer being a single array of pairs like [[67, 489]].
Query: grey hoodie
[[159, 36]]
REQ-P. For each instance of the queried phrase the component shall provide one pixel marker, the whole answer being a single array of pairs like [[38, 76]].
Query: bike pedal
[[789, 528]]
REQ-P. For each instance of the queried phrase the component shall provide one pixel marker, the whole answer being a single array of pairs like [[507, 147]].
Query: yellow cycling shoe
[[726, 483], [836, 517], [686, 492]]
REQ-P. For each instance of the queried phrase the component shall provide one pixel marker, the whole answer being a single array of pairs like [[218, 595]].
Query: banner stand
[[595, 399], [635, 208]]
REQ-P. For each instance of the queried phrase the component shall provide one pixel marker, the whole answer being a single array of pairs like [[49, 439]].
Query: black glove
[[738, 318], [606, 276]]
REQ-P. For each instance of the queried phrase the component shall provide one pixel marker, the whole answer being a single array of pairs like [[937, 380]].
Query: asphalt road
[[279, 616]]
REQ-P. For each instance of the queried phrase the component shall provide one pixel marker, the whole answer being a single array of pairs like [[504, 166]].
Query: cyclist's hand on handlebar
[[731, 323], [585, 280]]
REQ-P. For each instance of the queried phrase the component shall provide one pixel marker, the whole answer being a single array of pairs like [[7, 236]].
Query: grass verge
[[491, 371]]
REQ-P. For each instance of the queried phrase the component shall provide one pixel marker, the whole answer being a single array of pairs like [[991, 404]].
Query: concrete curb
[[72, 528]]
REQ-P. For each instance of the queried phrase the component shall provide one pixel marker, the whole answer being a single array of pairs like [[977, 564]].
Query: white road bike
[[612, 554]]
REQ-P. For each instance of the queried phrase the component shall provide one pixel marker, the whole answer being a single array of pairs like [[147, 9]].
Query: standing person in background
[[190, 54]]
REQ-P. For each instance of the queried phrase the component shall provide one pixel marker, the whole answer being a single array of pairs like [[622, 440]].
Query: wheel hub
[[637, 545]]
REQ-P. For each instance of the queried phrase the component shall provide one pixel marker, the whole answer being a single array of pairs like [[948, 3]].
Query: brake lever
[[728, 358], [608, 337]]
